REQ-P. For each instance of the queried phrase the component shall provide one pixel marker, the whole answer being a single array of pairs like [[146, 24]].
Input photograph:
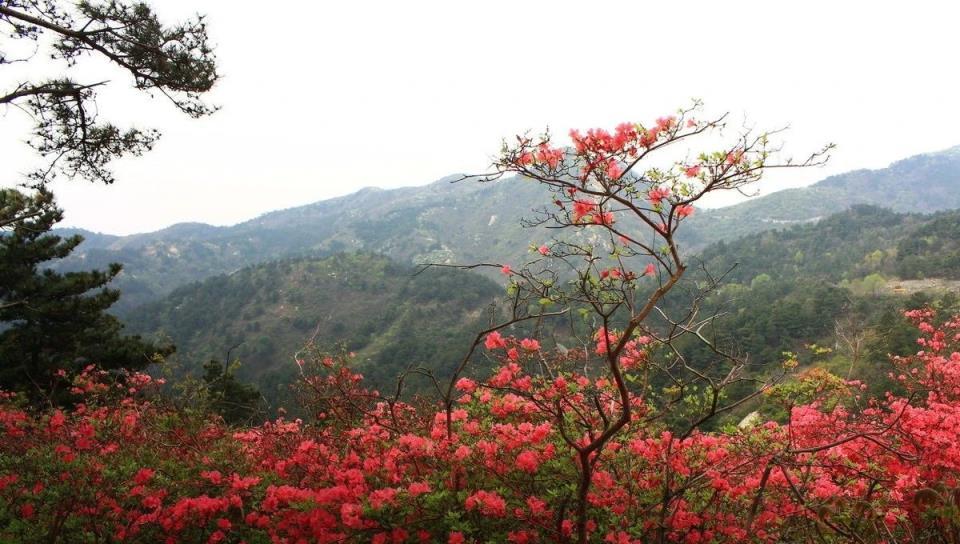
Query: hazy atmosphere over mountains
[[469, 222]]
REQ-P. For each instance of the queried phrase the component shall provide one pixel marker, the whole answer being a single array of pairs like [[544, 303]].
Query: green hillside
[[379, 309], [923, 183], [442, 222], [847, 276], [783, 290]]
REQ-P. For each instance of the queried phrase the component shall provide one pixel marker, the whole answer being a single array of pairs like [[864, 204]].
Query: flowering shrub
[[621, 206], [120, 466]]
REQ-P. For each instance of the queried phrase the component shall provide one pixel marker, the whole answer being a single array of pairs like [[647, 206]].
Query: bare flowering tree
[[624, 205]]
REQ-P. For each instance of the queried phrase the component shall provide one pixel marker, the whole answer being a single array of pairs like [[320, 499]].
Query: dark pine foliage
[[52, 321]]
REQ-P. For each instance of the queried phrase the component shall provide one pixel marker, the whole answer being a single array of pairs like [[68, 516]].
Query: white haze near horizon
[[320, 99]]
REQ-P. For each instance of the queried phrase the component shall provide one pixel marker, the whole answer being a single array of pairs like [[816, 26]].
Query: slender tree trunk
[[586, 478]]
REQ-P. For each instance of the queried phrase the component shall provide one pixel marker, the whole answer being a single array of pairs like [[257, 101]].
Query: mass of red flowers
[[122, 465]]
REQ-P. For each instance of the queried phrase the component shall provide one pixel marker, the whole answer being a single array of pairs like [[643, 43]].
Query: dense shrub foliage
[[122, 466]]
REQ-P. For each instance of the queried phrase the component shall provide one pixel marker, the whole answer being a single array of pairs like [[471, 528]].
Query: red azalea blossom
[[143, 476], [605, 218], [658, 194], [735, 157], [548, 156], [494, 341], [418, 488], [520, 443], [296, 481], [466, 384], [582, 208], [530, 344], [613, 170], [488, 503], [649, 137], [666, 123]]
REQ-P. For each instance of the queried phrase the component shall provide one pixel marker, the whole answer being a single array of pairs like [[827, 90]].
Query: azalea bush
[[121, 465]]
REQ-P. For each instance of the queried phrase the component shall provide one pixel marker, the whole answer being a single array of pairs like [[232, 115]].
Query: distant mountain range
[[468, 222], [923, 183]]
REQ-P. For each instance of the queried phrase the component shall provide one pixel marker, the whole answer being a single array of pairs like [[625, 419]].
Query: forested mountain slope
[[783, 289], [841, 284], [923, 183], [388, 315], [442, 222], [848, 246]]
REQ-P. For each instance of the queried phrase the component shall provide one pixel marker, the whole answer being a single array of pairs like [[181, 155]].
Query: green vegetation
[[443, 222], [637, 430], [784, 291], [175, 62], [54, 322], [387, 314], [920, 184], [932, 251], [831, 294], [236, 402]]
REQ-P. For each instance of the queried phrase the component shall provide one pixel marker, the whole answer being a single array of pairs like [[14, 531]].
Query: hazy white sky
[[322, 98]]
